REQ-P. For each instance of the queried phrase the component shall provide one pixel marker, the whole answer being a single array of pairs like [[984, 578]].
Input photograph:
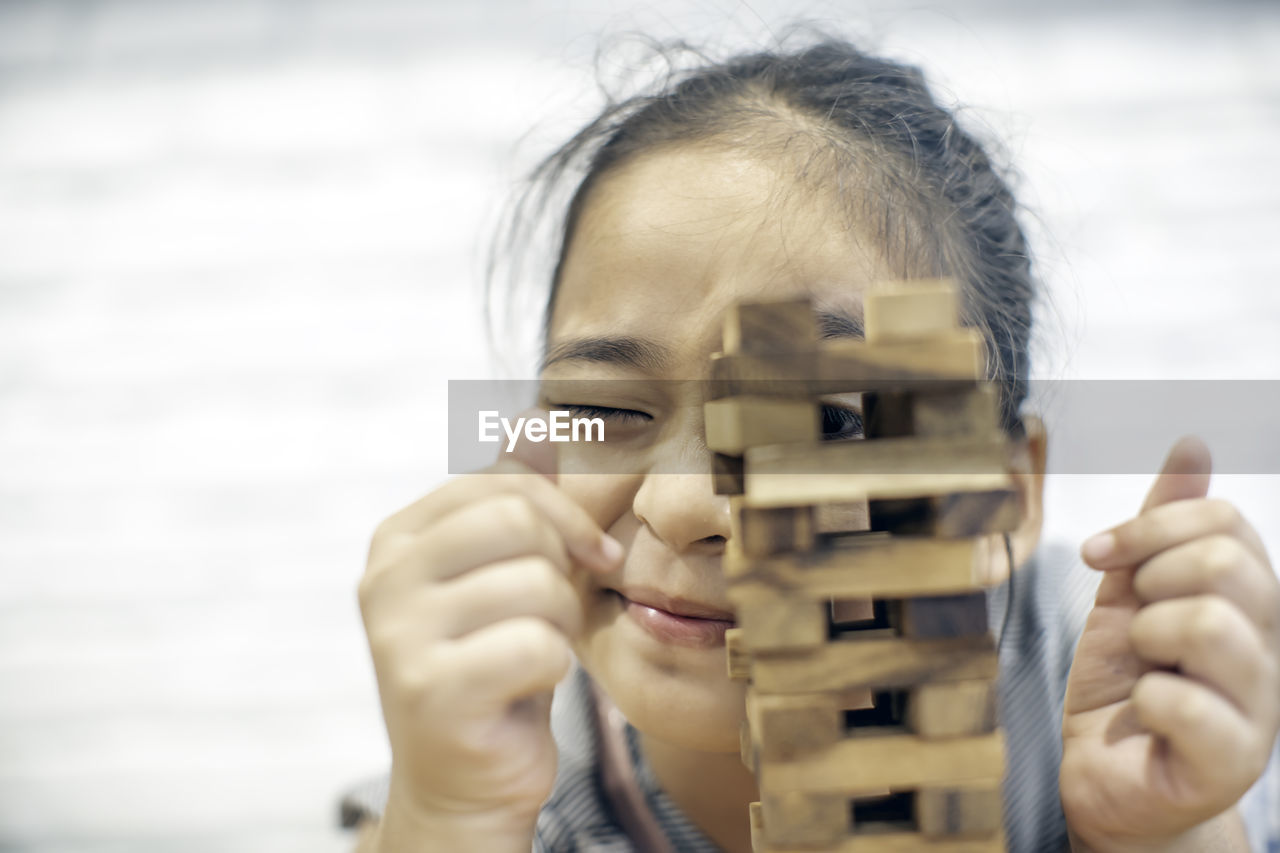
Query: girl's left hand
[[1173, 701]]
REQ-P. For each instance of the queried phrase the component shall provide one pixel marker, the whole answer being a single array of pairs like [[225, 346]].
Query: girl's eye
[[839, 423], [608, 413]]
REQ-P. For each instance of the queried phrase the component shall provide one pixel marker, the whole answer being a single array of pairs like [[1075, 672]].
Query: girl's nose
[[683, 512]]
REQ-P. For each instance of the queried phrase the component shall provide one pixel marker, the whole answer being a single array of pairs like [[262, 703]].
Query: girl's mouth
[[674, 620]]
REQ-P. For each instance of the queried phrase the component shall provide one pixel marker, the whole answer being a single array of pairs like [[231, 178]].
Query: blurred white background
[[240, 254]]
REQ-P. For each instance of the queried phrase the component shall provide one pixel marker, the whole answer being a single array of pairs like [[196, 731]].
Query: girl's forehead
[[667, 242]]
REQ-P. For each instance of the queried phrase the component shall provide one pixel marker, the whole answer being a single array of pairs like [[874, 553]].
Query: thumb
[[1185, 474], [541, 456]]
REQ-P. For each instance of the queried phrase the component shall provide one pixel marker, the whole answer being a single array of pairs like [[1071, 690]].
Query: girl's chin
[[680, 695]]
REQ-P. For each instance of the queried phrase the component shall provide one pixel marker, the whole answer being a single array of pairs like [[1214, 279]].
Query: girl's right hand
[[468, 605]]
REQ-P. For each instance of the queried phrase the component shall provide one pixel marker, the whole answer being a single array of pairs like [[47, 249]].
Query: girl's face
[[664, 245]]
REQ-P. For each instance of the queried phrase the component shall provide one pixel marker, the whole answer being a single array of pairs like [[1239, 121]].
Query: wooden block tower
[[856, 569]]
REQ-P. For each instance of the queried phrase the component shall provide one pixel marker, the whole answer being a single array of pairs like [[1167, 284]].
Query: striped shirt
[[1038, 619]]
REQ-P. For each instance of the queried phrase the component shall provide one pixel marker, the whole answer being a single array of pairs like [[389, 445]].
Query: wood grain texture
[[735, 423], [879, 662], [875, 565], [952, 708], [956, 413], [738, 658], [727, 476], [804, 819], [763, 531], [942, 616], [873, 470], [948, 516], [889, 762], [886, 839], [910, 310], [769, 621], [973, 810], [843, 366], [787, 727], [770, 327]]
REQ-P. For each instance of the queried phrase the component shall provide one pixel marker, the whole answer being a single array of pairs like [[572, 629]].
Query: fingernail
[[611, 549], [1098, 548]]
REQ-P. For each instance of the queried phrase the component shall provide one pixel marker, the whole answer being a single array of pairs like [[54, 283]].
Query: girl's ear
[[1028, 479]]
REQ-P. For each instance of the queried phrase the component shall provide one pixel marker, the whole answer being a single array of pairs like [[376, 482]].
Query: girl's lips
[[682, 629]]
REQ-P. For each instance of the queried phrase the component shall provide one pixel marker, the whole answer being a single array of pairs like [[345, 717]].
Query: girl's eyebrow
[[645, 355], [622, 351], [837, 324]]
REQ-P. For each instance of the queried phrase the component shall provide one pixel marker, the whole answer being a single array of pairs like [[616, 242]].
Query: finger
[[1168, 526], [527, 586], [582, 536], [496, 528], [1184, 475], [1209, 639], [1219, 565], [504, 662], [1212, 746]]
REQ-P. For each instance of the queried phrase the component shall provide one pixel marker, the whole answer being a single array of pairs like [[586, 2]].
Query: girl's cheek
[[606, 497]]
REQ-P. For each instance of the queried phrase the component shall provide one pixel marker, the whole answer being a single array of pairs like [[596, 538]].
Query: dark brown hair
[[865, 127]]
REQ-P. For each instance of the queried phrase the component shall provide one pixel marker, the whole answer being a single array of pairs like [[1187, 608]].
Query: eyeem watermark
[[561, 425]]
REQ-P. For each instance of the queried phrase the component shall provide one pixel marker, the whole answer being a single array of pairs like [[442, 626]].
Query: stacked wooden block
[[856, 570]]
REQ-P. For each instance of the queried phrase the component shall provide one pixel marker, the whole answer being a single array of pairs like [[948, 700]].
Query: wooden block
[[943, 616], [960, 413], [787, 727], [858, 614], [887, 414], [727, 474], [908, 311], [972, 810], [747, 746], [884, 715], [735, 423], [892, 762], [952, 709], [959, 354], [755, 815], [891, 841], [956, 515], [843, 366], [791, 475], [792, 817], [830, 519], [867, 566], [879, 662], [879, 842], [760, 532], [739, 659], [771, 622], [783, 374], [770, 327], [883, 811]]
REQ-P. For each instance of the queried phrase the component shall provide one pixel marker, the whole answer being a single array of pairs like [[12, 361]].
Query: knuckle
[[516, 513], [1221, 559], [1192, 712], [1130, 536], [1210, 624], [539, 581], [541, 644], [1223, 515]]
